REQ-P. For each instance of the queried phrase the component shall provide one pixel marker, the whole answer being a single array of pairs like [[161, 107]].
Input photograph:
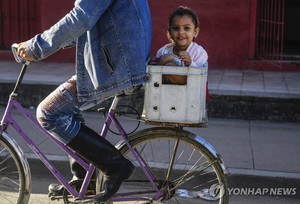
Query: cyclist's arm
[[79, 20]]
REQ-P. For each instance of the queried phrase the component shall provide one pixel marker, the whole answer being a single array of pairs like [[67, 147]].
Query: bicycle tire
[[156, 146], [13, 188]]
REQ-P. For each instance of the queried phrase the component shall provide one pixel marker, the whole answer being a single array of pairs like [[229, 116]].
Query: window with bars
[[18, 20], [270, 29]]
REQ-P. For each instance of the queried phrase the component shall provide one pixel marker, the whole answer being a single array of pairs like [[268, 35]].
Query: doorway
[[291, 37]]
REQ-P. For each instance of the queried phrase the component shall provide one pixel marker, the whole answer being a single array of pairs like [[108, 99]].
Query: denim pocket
[[107, 60]]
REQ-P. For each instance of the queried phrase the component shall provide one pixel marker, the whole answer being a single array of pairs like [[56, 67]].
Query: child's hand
[[166, 59], [153, 61], [185, 57]]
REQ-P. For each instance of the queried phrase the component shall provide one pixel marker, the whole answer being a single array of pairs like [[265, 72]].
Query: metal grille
[[17, 21], [270, 27]]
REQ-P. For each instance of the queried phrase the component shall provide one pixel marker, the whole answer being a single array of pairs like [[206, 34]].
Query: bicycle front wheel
[[183, 166], [12, 175]]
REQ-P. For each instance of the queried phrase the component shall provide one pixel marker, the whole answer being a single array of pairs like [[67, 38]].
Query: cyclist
[[112, 41]]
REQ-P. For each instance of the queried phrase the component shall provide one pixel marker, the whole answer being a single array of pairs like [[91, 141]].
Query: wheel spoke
[[12, 189], [189, 175], [178, 162]]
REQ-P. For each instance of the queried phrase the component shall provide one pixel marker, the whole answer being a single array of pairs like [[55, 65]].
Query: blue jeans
[[60, 112]]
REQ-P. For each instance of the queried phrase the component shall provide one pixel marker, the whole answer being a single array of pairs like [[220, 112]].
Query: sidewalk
[[242, 94], [259, 153], [222, 82]]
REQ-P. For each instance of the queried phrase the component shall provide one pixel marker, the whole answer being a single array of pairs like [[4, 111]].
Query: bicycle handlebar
[[18, 58]]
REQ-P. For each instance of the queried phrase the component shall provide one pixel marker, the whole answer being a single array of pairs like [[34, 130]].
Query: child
[[182, 51]]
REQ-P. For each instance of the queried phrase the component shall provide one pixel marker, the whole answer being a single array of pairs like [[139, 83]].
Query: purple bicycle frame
[[8, 120]]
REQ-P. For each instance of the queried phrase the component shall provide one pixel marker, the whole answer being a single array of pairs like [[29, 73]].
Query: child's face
[[183, 32]]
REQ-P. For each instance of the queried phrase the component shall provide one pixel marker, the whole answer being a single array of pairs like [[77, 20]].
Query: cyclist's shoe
[[112, 183], [55, 189], [58, 189]]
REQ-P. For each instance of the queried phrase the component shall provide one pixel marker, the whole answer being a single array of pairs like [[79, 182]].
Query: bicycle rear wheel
[[184, 165], [12, 175]]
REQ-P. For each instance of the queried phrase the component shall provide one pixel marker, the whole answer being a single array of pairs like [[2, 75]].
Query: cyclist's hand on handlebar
[[22, 52]]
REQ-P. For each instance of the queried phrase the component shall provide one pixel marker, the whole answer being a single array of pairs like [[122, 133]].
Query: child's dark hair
[[181, 11]]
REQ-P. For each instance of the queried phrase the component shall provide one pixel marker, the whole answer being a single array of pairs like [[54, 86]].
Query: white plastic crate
[[172, 103]]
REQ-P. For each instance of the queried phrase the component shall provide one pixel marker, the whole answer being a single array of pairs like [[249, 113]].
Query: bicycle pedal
[[85, 201], [54, 197]]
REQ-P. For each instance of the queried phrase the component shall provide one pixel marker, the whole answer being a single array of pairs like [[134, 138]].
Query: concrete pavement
[[257, 152], [243, 94]]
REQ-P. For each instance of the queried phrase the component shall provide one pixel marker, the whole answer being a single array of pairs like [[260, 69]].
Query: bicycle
[[188, 167]]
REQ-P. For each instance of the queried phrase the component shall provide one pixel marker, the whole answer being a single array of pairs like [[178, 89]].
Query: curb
[[257, 181]]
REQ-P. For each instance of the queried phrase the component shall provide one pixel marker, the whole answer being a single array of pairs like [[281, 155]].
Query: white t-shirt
[[198, 55]]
